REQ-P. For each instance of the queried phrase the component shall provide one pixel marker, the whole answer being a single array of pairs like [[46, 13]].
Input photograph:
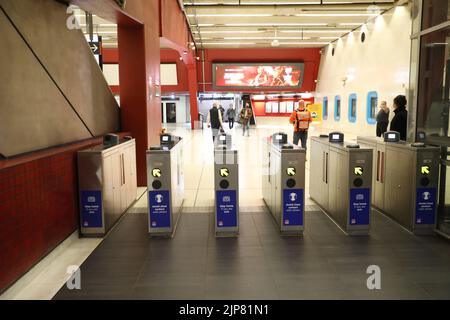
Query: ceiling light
[[231, 31], [275, 24], [228, 43], [336, 14], [306, 42], [230, 15], [266, 38], [316, 31], [350, 24]]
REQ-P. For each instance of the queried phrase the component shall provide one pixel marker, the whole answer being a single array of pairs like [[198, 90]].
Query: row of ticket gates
[[347, 179]]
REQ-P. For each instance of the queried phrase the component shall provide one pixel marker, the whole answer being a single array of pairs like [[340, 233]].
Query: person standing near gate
[[301, 118], [382, 119], [231, 114], [214, 120]]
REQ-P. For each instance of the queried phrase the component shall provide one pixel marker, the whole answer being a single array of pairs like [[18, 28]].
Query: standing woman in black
[[399, 122]]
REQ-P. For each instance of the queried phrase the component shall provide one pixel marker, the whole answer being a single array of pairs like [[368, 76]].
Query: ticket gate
[[405, 182], [283, 183], [165, 185], [226, 188], [107, 184], [341, 182]]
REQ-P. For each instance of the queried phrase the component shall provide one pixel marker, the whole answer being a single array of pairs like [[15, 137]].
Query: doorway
[[171, 112]]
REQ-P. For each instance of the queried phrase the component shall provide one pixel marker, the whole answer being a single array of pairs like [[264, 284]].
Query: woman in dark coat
[[399, 122]]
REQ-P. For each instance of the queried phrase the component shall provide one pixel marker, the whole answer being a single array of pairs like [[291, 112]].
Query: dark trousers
[[231, 123], [301, 136], [381, 128]]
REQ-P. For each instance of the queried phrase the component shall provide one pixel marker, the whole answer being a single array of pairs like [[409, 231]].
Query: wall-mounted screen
[[257, 75], [283, 107], [268, 107]]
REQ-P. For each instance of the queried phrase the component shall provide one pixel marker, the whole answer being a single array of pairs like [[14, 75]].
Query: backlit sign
[[260, 76]]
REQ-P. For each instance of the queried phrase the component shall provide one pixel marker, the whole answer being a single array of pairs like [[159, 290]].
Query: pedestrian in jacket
[[399, 122], [245, 115], [301, 118], [214, 120], [382, 119], [231, 114]]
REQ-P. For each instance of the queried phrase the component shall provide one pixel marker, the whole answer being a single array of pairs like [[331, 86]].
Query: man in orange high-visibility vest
[[301, 118]]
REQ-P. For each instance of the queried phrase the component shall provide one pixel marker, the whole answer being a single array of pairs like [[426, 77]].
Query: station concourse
[[112, 187]]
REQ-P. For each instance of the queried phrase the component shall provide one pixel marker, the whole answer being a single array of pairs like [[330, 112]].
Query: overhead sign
[[257, 75], [224, 172], [359, 171], [425, 170], [95, 47], [156, 173], [291, 171]]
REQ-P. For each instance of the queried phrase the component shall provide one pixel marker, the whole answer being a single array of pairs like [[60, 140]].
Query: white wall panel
[[168, 74], [379, 64], [111, 72]]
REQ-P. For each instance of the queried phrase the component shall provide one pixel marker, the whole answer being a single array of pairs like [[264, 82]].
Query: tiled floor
[[259, 264], [324, 264]]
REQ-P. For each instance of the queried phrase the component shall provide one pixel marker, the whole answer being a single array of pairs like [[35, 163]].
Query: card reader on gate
[[169, 139], [336, 137], [223, 141], [279, 138], [391, 136]]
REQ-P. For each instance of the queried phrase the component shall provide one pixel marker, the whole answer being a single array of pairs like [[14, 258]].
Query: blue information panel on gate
[[91, 209], [159, 207], [425, 205], [226, 208], [359, 206], [293, 205]]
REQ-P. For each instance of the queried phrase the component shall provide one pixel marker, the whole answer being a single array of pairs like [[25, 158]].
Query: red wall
[[310, 56], [173, 24], [38, 206]]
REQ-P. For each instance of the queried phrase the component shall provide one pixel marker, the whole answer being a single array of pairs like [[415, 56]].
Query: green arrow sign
[[156, 173], [291, 171], [224, 172], [425, 170], [358, 171]]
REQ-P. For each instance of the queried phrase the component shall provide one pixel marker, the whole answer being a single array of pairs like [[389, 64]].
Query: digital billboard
[[258, 75]]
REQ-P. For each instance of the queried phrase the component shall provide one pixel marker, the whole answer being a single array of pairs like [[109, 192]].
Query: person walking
[[382, 119], [214, 120], [222, 110], [399, 122], [231, 114], [245, 115], [301, 118]]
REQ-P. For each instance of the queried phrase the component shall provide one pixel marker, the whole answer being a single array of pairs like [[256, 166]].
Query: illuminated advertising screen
[[258, 76]]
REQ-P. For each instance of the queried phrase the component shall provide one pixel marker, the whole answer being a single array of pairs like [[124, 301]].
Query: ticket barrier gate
[[226, 187], [341, 181], [405, 181], [284, 183], [165, 185]]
